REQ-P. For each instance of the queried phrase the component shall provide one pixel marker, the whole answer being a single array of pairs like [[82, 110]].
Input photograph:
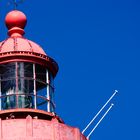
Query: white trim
[[0, 93], [48, 90], [34, 77]]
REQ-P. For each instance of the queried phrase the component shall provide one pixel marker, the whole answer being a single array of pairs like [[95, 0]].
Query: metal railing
[[23, 100]]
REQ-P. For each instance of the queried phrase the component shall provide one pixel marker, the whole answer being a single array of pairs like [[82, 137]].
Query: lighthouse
[[27, 106]]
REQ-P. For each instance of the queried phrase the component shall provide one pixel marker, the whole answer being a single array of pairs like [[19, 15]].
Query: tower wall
[[37, 129]]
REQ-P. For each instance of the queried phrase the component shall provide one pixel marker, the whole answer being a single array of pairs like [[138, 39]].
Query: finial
[[15, 3], [15, 22]]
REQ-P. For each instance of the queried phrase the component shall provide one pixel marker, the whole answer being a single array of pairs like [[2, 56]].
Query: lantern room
[[26, 71]]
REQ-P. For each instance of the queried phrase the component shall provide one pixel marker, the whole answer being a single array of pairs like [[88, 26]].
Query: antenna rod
[[100, 120], [99, 112], [15, 4]]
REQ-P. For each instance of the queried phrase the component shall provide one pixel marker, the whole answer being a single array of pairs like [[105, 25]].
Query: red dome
[[20, 44], [15, 22]]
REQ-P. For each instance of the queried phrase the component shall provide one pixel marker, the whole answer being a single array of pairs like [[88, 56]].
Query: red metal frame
[[30, 57]]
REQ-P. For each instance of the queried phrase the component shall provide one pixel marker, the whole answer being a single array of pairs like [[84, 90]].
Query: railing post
[[48, 90], [0, 93], [34, 77], [16, 73]]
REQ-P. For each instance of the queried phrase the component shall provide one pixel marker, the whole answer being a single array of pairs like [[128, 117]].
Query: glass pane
[[8, 90], [51, 90], [19, 91], [25, 101], [9, 102], [25, 69], [51, 80], [7, 71], [25, 86], [40, 73], [41, 99], [52, 109], [8, 85]]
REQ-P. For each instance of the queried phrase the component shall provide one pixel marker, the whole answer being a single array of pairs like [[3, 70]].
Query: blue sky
[[96, 44]]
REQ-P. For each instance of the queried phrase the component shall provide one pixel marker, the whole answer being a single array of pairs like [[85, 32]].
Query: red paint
[[24, 123], [15, 22], [37, 129]]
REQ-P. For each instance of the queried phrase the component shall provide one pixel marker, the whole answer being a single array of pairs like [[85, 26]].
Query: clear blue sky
[[97, 46]]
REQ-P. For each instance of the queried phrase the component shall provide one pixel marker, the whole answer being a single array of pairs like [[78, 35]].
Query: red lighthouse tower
[[27, 110]]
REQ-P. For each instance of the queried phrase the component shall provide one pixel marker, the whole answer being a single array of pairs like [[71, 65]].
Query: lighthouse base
[[33, 128]]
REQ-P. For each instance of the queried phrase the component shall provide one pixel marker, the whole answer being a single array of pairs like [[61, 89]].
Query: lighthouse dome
[[17, 48], [20, 44], [15, 22]]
